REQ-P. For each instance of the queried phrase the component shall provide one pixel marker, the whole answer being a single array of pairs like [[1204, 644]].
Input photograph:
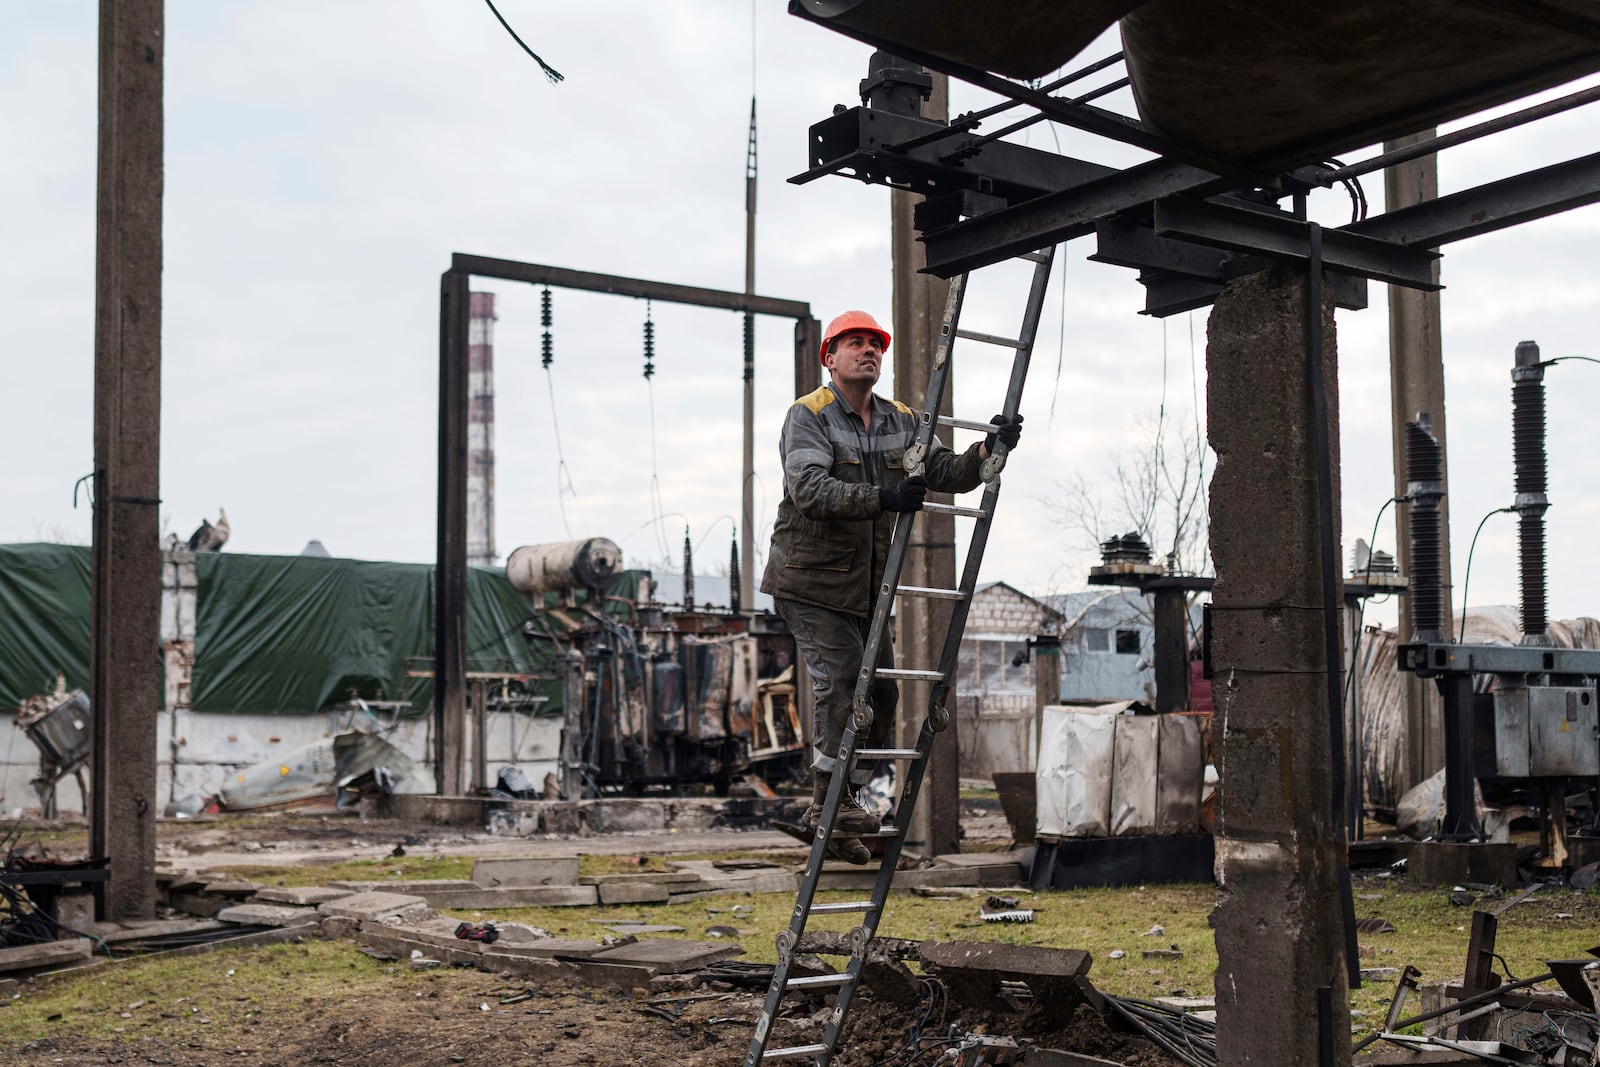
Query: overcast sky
[[324, 161]]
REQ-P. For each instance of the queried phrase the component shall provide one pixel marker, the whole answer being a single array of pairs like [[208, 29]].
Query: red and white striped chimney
[[480, 431]]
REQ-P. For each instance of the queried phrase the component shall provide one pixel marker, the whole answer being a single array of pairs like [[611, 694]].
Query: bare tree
[[1155, 488]]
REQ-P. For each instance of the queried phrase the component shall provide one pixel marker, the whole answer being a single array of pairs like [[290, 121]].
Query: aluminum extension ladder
[[943, 677]]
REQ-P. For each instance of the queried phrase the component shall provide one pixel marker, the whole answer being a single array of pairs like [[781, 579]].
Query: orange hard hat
[[851, 320]]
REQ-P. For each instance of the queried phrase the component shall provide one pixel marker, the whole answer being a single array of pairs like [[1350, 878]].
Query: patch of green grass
[[401, 868], [169, 997]]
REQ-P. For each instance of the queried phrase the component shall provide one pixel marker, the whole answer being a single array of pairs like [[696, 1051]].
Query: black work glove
[[905, 495], [1006, 430]]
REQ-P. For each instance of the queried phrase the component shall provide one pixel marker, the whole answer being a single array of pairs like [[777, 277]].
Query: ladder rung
[[820, 980], [848, 905], [909, 675], [887, 753], [990, 339], [966, 424], [1035, 257], [930, 592], [955, 509], [885, 831], [793, 1052]]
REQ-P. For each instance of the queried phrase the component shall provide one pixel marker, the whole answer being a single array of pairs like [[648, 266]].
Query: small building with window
[[1107, 654]]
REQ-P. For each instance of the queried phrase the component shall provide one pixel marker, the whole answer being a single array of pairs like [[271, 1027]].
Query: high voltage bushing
[[1528, 458], [1424, 490], [749, 346]]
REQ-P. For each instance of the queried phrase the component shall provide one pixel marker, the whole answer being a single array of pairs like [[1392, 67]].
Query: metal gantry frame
[[450, 574]]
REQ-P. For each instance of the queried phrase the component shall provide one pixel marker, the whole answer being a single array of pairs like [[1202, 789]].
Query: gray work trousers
[[833, 644]]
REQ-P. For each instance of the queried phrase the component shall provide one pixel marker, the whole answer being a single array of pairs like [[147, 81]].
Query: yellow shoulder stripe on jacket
[[816, 401], [903, 409]]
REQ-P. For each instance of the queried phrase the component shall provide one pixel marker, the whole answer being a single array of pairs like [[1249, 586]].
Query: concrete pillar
[[450, 571], [125, 629], [1416, 383], [919, 301], [1171, 653], [1279, 930]]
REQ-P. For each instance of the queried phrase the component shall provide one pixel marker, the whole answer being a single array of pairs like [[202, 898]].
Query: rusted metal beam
[[124, 644]]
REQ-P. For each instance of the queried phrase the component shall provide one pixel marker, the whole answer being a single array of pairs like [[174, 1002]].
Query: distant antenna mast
[[747, 509]]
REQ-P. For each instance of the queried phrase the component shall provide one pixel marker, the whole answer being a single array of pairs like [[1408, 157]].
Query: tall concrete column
[[1279, 930], [919, 301], [450, 569], [1416, 383], [124, 638]]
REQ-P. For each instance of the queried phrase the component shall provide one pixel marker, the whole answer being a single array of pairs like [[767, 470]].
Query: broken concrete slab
[[524, 965], [301, 895], [533, 896], [415, 886], [633, 893], [495, 872], [643, 878], [115, 934], [398, 943], [268, 915], [845, 876], [973, 972], [563, 817], [668, 955], [232, 887], [642, 928], [378, 906], [556, 948], [47, 956]]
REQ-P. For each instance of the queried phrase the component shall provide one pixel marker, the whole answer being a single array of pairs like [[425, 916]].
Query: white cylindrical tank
[[535, 569]]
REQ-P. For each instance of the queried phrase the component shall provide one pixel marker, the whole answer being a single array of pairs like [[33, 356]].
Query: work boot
[[849, 849], [852, 817]]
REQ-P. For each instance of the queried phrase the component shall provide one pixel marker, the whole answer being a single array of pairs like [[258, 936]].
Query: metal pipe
[[1528, 455], [1424, 490], [1465, 1002], [1470, 133]]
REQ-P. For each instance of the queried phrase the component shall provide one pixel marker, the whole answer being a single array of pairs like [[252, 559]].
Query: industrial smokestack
[[480, 431], [1528, 457], [1424, 490]]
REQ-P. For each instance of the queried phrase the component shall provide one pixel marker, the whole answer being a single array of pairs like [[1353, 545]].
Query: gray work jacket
[[831, 538]]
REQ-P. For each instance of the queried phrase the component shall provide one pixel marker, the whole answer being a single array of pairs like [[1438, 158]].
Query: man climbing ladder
[[853, 465], [844, 481]]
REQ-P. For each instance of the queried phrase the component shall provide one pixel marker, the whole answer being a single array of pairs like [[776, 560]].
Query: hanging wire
[[555, 76], [1466, 580], [563, 474]]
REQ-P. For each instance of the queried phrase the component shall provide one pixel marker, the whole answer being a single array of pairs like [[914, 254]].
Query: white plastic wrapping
[[1074, 774], [1134, 774], [1183, 775]]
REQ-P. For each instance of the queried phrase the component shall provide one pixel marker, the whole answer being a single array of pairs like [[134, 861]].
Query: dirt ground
[[460, 1016], [394, 1015]]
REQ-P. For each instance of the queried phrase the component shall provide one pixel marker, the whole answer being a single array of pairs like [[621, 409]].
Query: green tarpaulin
[[44, 619], [278, 634]]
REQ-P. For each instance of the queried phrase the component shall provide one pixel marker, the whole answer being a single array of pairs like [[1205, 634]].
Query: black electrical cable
[[555, 76], [1551, 362], [1466, 581]]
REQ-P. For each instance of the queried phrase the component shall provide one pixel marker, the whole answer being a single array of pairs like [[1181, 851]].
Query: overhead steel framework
[[1193, 220], [450, 574]]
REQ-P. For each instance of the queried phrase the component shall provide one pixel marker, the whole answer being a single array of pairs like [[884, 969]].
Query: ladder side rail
[[903, 526], [798, 918], [868, 929]]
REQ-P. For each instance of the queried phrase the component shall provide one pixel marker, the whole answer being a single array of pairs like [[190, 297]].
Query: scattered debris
[[1374, 925], [1160, 931], [1173, 953], [721, 931], [485, 932]]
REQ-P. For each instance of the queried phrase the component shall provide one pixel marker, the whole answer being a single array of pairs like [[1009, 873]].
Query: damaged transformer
[[653, 697]]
